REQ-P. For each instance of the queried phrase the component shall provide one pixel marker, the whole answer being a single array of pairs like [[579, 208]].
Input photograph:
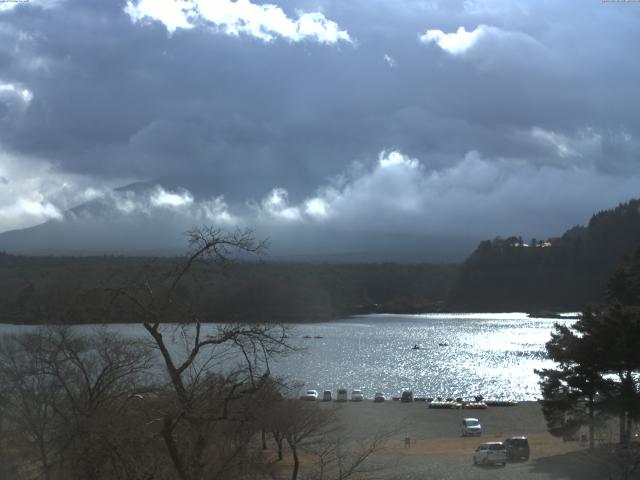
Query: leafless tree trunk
[[279, 438], [316, 430], [205, 350], [302, 425]]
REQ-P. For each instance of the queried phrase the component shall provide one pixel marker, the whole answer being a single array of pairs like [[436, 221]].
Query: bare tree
[[340, 457], [204, 406], [68, 396], [305, 425], [28, 410], [316, 431], [276, 422]]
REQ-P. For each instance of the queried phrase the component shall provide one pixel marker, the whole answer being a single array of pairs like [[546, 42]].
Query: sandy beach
[[439, 452]]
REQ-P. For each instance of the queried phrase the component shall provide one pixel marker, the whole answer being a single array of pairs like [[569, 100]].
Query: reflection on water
[[485, 354]]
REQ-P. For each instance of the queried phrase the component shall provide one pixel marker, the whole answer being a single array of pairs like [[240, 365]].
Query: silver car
[[311, 395], [471, 427]]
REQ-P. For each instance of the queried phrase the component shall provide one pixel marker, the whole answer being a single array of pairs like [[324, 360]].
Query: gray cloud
[[473, 197], [538, 110]]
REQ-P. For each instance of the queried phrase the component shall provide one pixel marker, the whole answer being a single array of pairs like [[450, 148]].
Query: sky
[[469, 118]]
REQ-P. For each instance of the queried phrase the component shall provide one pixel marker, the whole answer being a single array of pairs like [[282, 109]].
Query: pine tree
[[598, 359]]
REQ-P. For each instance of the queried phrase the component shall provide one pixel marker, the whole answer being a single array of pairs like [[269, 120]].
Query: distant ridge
[[511, 274], [99, 227]]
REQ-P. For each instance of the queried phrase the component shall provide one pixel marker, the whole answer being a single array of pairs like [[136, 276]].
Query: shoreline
[[531, 315]]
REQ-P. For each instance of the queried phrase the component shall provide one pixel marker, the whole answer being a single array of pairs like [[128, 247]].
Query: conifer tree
[[598, 359]]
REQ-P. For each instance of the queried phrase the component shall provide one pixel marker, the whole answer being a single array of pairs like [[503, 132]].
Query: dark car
[[517, 448], [407, 396]]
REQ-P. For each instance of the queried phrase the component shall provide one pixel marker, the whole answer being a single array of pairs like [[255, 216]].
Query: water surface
[[493, 355]]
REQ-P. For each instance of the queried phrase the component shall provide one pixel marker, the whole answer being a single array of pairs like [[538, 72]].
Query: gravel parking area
[[438, 451]]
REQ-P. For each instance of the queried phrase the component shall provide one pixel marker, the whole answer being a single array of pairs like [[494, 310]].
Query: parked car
[[311, 395], [342, 395], [491, 452], [357, 396], [326, 396], [517, 448], [407, 396], [378, 397], [471, 427]]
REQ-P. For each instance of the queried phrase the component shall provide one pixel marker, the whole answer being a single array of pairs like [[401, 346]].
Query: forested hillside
[[80, 289], [563, 273]]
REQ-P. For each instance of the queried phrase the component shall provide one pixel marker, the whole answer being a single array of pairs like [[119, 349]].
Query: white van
[[357, 396], [490, 452]]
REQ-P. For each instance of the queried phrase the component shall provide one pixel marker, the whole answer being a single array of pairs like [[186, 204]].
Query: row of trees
[[598, 373], [100, 406], [73, 290]]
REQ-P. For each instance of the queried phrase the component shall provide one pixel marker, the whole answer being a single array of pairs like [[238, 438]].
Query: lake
[[493, 355]]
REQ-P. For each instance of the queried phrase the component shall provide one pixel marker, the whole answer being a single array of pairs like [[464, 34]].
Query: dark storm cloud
[[539, 110]]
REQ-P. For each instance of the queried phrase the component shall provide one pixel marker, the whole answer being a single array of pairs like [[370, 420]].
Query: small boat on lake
[[415, 347]]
